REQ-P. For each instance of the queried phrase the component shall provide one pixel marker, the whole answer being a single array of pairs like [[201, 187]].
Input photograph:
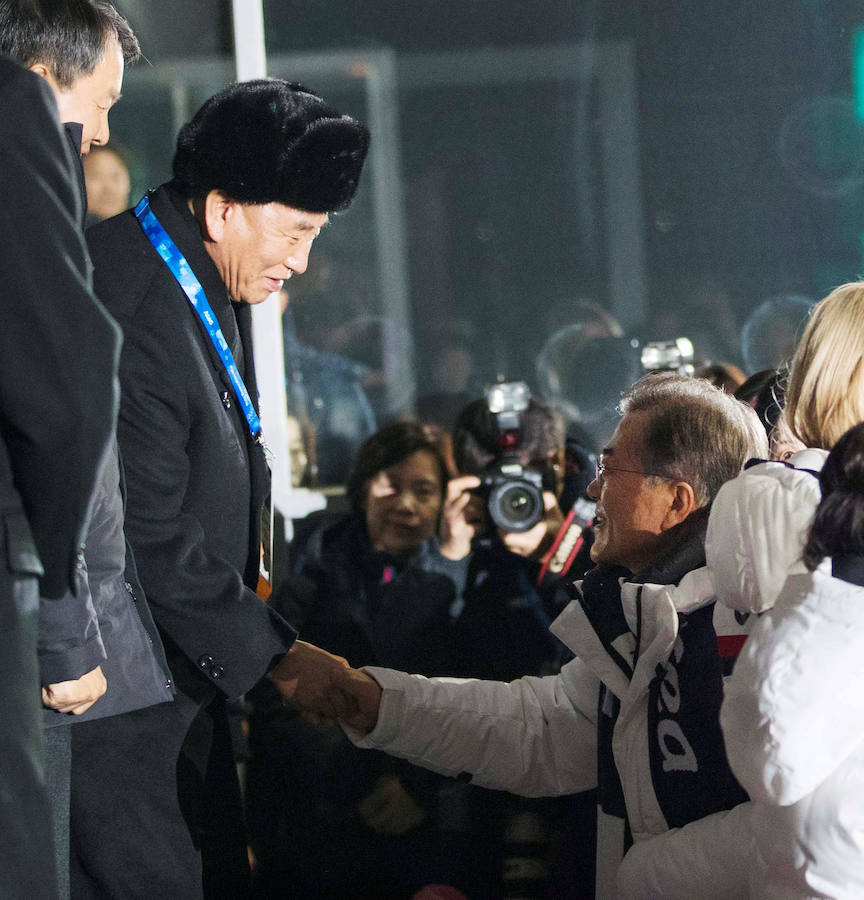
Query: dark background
[[751, 161]]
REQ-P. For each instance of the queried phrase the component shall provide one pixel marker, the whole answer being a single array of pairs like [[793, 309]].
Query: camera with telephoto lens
[[512, 492], [668, 356]]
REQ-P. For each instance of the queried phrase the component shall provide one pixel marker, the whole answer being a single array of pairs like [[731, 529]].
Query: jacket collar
[[812, 459], [235, 319], [685, 551], [600, 625], [172, 210], [74, 132]]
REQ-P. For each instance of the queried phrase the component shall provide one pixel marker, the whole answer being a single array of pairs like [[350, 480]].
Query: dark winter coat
[[58, 354], [195, 485], [304, 782], [195, 479]]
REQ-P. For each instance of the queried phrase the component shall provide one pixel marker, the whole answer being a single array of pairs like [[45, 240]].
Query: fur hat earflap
[[272, 141]]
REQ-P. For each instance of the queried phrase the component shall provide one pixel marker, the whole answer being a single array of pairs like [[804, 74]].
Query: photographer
[[506, 539], [514, 466]]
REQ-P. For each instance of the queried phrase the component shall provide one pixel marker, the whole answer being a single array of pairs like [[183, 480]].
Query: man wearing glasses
[[635, 714]]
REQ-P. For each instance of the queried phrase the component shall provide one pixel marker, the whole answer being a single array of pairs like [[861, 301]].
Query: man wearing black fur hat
[[256, 173]]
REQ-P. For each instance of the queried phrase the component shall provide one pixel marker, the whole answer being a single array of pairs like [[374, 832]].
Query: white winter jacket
[[538, 736], [756, 533], [794, 725]]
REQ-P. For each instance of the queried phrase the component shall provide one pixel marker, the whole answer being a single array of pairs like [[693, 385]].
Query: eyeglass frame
[[600, 469]]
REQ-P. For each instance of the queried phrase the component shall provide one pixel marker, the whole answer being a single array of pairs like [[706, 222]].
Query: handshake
[[325, 688]]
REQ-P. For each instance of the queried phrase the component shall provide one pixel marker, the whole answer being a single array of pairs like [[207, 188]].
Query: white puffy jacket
[[538, 736], [756, 532], [793, 719]]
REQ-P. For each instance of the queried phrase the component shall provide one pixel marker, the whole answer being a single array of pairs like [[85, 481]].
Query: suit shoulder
[[124, 264], [28, 110], [19, 84]]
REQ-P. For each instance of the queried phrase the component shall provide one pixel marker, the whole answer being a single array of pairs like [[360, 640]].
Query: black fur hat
[[272, 141]]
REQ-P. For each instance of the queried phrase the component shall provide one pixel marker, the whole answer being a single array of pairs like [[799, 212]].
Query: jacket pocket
[[21, 555]]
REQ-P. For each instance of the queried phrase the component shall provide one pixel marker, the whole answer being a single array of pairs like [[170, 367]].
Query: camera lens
[[516, 506]]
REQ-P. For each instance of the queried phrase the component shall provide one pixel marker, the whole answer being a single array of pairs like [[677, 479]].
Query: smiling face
[[633, 511], [402, 504], [90, 97], [256, 248]]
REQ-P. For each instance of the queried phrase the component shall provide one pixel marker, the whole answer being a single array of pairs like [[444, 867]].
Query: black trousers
[[26, 849], [58, 768], [156, 809]]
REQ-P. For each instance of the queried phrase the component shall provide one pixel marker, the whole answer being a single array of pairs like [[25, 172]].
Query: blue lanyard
[[182, 271]]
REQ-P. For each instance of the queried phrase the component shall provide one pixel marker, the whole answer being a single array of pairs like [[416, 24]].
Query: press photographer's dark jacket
[[501, 627]]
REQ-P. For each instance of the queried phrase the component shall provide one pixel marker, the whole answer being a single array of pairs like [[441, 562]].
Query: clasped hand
[[325, 688], [75, 696]]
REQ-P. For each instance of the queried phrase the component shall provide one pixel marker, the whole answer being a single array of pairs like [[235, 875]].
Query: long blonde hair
[[825, 397]]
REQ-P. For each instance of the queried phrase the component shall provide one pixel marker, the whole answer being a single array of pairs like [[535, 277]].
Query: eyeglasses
[[600, 469]]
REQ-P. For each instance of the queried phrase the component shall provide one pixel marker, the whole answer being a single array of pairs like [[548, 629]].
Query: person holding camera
[[501, 524], [505, 538]]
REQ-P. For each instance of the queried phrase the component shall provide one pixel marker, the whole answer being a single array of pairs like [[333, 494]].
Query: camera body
[[513, 493]]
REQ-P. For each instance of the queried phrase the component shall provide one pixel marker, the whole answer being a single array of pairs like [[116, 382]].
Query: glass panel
[[689, 170]]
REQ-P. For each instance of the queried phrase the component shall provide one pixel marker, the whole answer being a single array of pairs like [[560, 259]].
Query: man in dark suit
[[256, 173], [98, 650], [58, 353]]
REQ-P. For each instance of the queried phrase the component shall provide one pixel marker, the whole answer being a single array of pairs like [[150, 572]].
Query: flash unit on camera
[[512, 396]]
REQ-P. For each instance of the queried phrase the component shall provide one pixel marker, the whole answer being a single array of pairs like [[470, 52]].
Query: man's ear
[[682, 502], [42, 71], [215, 213]]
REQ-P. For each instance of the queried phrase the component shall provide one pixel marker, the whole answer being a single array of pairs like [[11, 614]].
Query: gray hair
[[696, 432]]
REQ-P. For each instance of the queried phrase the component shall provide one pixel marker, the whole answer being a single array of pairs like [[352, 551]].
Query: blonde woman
[[759, 520]]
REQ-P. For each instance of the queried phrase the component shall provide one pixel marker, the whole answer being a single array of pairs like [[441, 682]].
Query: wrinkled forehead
[[283, 218]]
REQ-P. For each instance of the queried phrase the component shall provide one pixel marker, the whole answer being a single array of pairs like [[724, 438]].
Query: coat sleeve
[[793, 707], [707, 859], [58, 346], [197, 594], [534, 737], [70, 643]]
